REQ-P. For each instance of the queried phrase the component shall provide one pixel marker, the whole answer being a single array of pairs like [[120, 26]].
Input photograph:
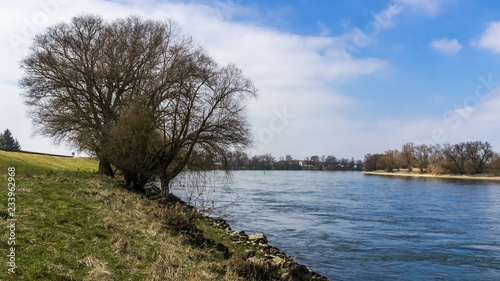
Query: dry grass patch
[[98, 270]]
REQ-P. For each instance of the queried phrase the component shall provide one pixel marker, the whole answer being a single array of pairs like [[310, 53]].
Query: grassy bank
[[416, 173], [73, 224]]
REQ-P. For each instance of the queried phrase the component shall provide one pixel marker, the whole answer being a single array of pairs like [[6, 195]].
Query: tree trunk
[[134, 182], [165, 183], [105, 167]]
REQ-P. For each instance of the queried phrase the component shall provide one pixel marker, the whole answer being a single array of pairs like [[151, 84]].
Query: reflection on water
[[351, 226]]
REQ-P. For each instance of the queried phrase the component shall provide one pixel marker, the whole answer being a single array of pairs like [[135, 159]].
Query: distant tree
[[344, 162], [330, 162], [280, 164], [267, 161], [240, 160], [455, 157], [408, 155], [472, 157], [352, 163], [254, 163], [7, 141], [373, 162], [437, 159], [314, 161], [262, 162], [479, 155], [391, 160], [287, 163], [423, 155], [323, 159], [494, 165], [467, 157]]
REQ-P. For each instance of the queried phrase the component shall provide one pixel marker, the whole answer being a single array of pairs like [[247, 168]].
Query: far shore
[[416, 174]]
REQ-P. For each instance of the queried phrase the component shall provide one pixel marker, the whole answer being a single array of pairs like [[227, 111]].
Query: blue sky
[[344, 78]]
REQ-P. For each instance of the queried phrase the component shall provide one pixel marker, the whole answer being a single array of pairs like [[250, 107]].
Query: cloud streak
[[430, 7], [446, 46]]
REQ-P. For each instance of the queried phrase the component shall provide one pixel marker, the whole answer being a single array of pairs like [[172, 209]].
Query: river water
[[352, 226]]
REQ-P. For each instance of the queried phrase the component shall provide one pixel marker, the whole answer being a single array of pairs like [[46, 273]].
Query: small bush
[[177, 215], [249, 270]]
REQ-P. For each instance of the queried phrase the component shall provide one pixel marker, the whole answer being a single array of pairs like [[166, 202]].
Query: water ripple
[[348, 226]]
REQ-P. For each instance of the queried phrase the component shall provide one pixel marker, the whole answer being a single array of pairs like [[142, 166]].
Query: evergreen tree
[[8, 142]]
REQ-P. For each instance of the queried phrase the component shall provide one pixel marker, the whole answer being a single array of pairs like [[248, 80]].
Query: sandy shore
[[462, 177]]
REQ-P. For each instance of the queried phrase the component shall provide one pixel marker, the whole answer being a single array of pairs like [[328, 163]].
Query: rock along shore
[[284, 268]]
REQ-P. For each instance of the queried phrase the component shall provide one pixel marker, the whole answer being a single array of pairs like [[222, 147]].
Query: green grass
[[68, 227], [76, 225]]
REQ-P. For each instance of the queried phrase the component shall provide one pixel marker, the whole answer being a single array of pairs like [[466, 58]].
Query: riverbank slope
[[405, 173], [71, 224]]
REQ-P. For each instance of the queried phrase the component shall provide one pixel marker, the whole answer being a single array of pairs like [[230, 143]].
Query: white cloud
[[446, 46], [490, 39], [475, 119], [430, 7], [359, 38], [293, 73]]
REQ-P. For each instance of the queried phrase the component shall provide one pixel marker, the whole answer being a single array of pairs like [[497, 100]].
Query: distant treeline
[[241, 161], [465, 158]]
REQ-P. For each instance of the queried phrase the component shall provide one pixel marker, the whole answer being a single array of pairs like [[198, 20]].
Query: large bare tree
[[138, 94], [80, 76]]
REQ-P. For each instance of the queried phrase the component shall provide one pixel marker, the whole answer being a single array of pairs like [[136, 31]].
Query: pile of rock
[[270, 256]]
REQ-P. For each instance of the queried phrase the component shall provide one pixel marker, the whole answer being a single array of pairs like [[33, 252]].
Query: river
[[352, 226]]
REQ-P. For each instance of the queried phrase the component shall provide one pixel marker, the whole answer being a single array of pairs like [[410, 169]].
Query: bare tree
[[494, 165], [330, 162], [79, 77], [391, 160], [206, 114], [241, 160], [437, 159], [314, 161], [373, 162], [408, 155], [423, 155], [467, 157], [455, 157], [479, 154]]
